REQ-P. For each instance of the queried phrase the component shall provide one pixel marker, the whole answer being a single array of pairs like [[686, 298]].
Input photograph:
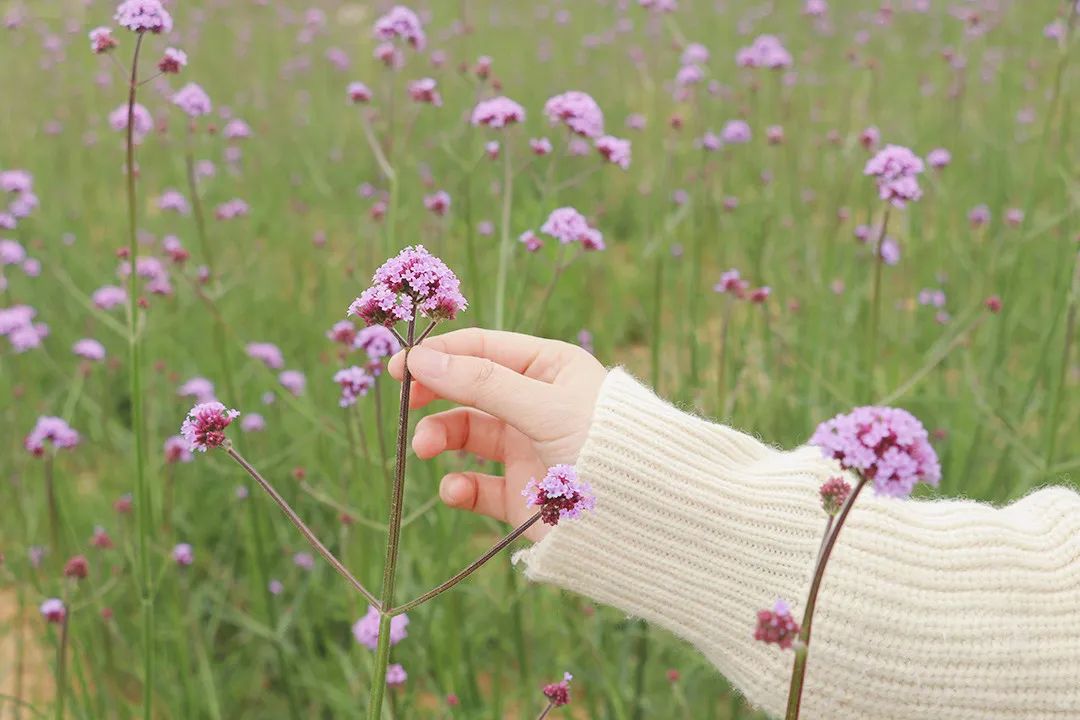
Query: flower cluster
[[777, 626], [577, 111], [888, 446], [231, 209], [732, 283], [17, 324], [559, 693], [560, 495], [895, 169], [204, 426], [497, 112], [401, 23], [144, 16], [172, 61], [54, 610], [267, 353], [193, 101], [355, 382], [615, 150], [425, 90], [834, 493], [142, 121], [438, 202], [413, 281], [52, 430], [765, 52], [366, 629], [89, 349], [19, 185], [102, 40], [567, 226]]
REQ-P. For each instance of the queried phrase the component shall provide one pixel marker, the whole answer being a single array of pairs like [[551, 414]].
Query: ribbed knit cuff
[[696, 528]]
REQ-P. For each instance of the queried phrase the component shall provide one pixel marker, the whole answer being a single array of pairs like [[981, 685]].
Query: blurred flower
[[183, 555], [192, 100], [293, 381], [231, 209], [979, 216], [342, 332], [938, 158], [355, 382], [695, 54], [765, 52], [614, 150], [559, 693], [577, 111], [142, 125], [887, 446], [199, 388], [531, 241], [172, 61], [540, 146], [173, 200], [777, 626], [395, 675], [890, 251], [1014, 217], [366, 629], [735, 132], [108, 297], [560, 495], [377, 342], [870, 137], [204, 426], [275, 587], [401, 23], [77, 567], [304, 561], [359, 92], [54, 610], [177, 449], [102, 40], [11, 252], [498, 112], [253, 422], [438, 202], [267, 353], [993, 304], [89, 349], [731, 282], [425, 90], [895, 169], [49, 429]]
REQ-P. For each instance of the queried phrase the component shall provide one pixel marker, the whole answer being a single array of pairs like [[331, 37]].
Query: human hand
[[526, 402]]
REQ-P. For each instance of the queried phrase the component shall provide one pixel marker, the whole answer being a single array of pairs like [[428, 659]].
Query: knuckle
[[483, 373]]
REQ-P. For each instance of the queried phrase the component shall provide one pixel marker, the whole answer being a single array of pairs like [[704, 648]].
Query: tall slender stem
[[295, 519], [504, 241], [544, 713], [470, 569], [875, 306], [798, 669], [142, 487], [54, 511], [1073, 290], [393, 537], [61, 662]]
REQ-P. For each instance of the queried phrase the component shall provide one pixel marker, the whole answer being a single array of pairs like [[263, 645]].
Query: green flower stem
[[504, 241]]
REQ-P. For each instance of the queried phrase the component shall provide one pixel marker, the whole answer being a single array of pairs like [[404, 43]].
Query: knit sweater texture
[[944, 609]]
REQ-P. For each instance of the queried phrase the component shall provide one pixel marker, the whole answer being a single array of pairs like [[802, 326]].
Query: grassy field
[[998, 389]]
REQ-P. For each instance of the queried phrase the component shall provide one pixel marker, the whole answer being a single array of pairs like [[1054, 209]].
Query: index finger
[[514, 351]]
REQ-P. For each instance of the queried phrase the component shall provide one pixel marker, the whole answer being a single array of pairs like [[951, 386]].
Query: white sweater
[[942, 609]]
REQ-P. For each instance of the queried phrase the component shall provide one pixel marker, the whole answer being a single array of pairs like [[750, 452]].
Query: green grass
[[1000, 386]]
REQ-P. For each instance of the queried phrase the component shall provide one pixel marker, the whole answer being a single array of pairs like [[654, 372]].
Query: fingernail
[[428, 363]]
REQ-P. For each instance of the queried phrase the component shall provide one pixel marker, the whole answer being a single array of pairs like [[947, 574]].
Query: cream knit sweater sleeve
[[930, 609]]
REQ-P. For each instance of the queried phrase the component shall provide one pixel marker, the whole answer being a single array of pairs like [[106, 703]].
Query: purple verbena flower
[[887, 446], [559, 693], [777, 626], [199, 388], [498, 112], [366, 629], [614, 150], [144, 16], [396, 675], [560, 495], [293, 381], [177, 450], [204, 426], [53, 430], [578, 111], [834, 492], [355, 382], [183, 555], [193, 101], [54, 610], [89, 349], [267, 353], [401, 23], [377, 342], [413, 281]]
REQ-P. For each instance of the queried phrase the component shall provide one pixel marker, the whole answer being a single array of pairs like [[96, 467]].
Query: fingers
[[511, 350], [460, 429], [483, 384], [476, 492]]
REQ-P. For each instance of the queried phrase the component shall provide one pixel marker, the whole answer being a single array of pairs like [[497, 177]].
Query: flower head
[[172, 61], [355, 382], [531, 241], [938, 158], [177, 449], [253, 422], [267, 353], [396, 675], [412, 281], [578, 111], [366, 629], [54, 610], [183, 555], [377, 342], [89, 349], [199, 388], [102, 40], [887, 446], [614, 150], [144, 16], [765, 52], [438, 202], [560, 495], [895, 168], [559, 693], [204, 426], [11, 252], [193, 101], [425, 90], [143, 122], [695, 54], [49, 429], [358, 92], [567, 225], [401, 23], [540, 146], [777, 626], [497, 112], [77, 567], [735, 132], [293, 381], [834, 492]]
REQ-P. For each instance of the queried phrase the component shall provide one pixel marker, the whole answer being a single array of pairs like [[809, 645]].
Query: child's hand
[[527, 403]]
